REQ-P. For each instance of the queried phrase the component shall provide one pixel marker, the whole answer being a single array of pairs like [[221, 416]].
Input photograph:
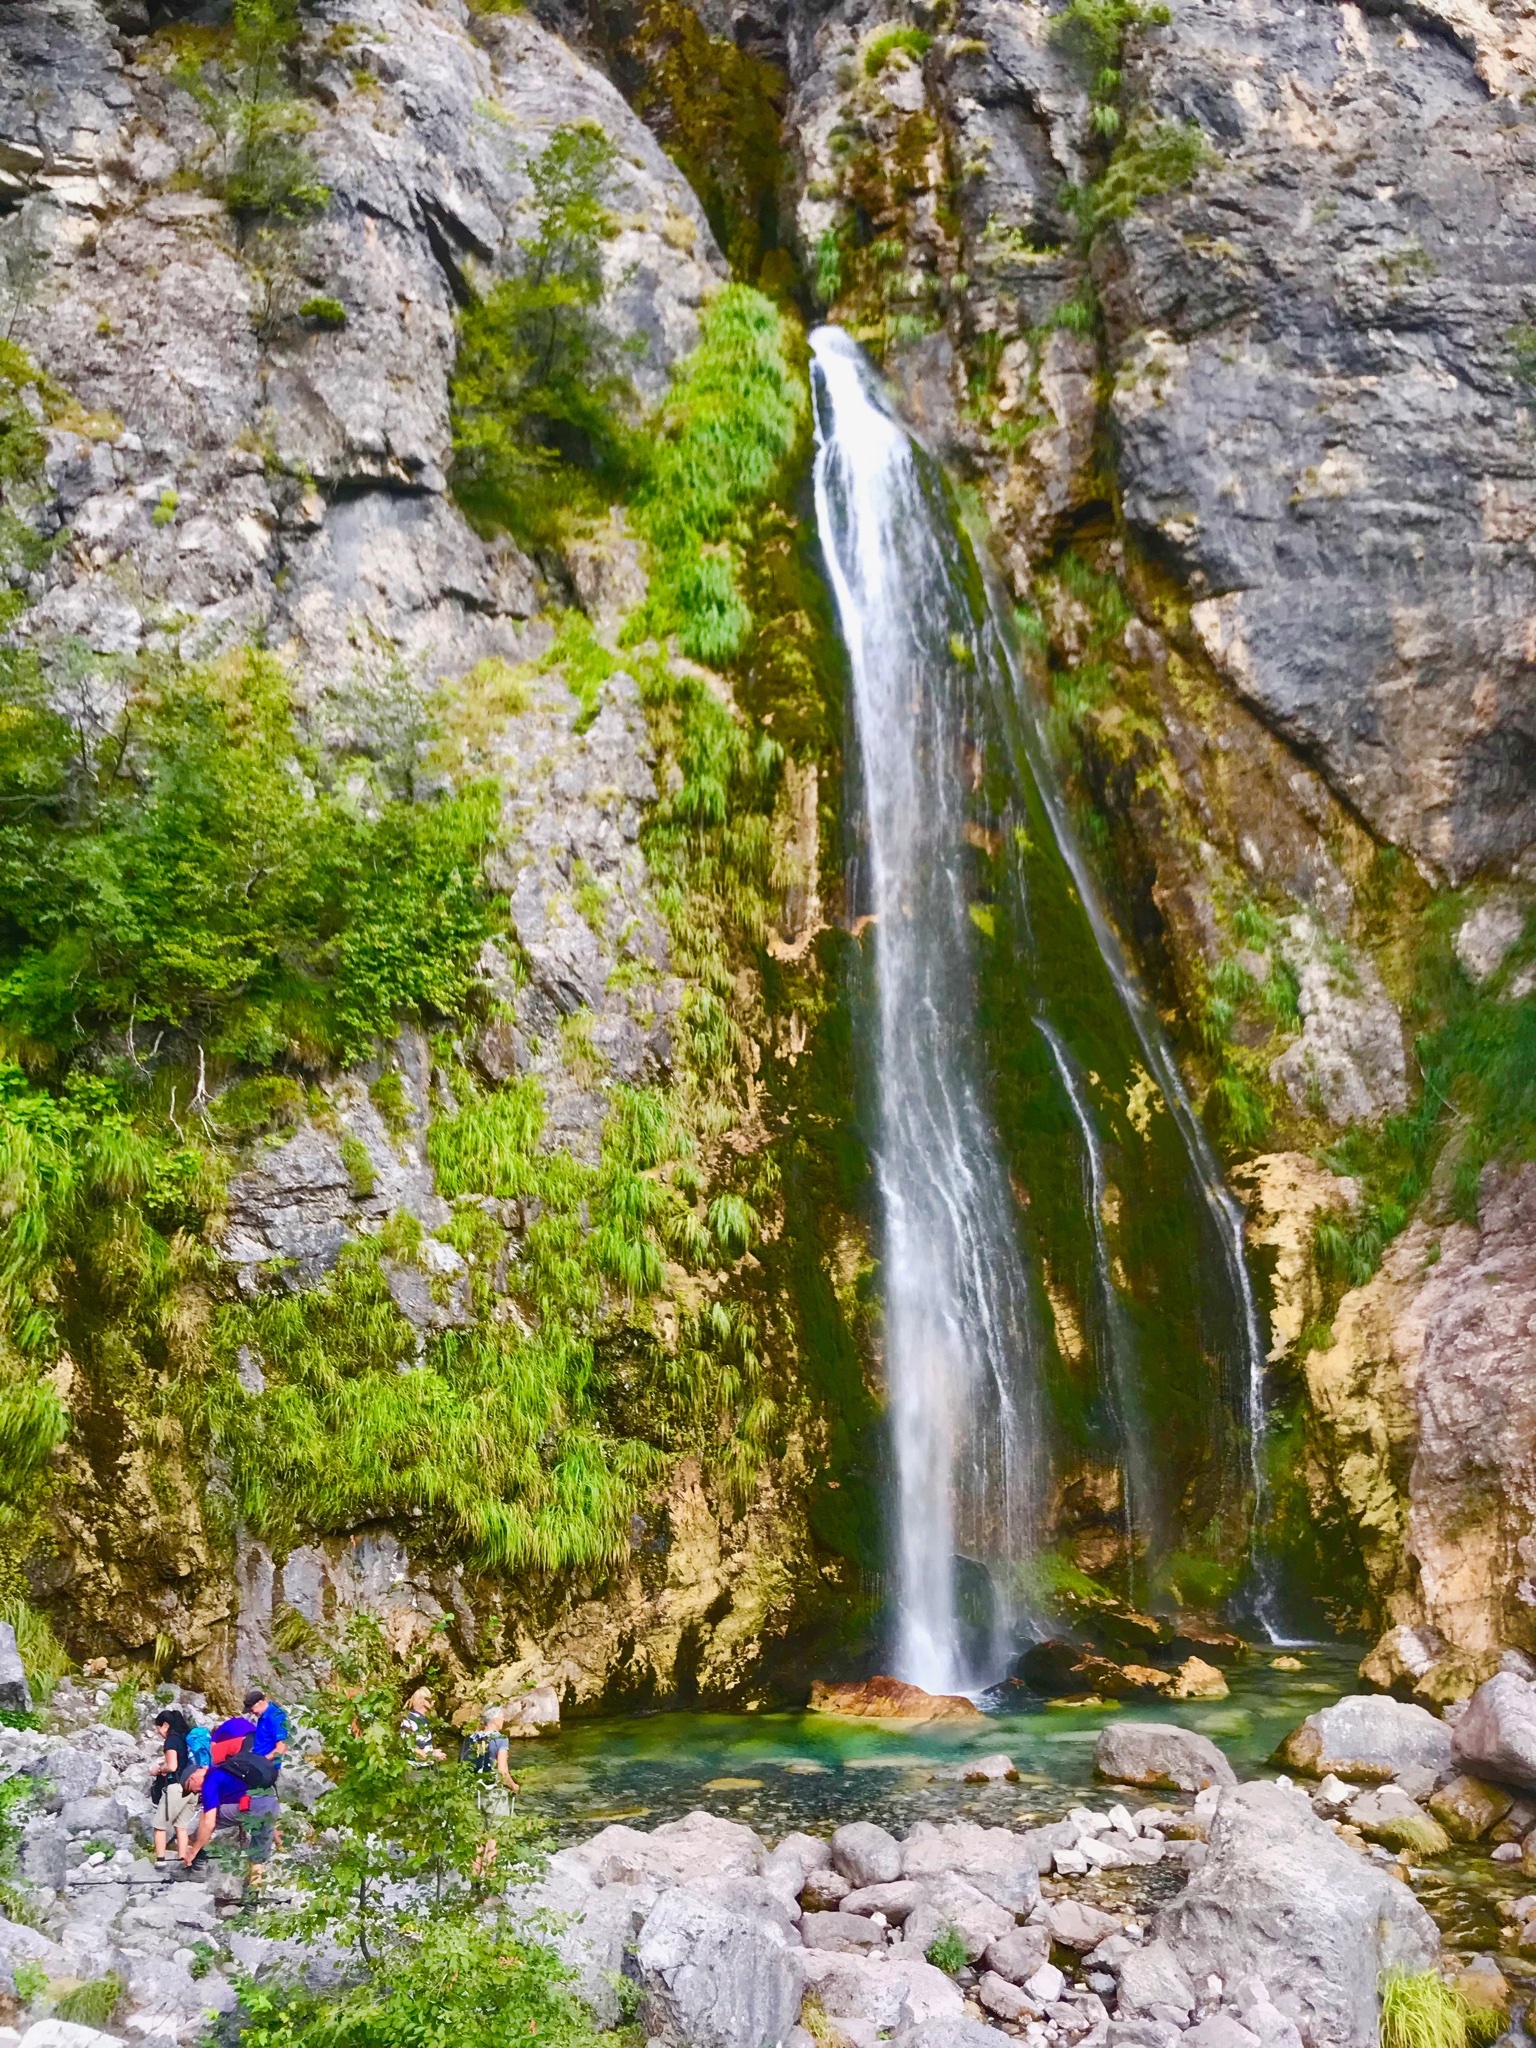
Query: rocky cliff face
[[255, 447], [1228, 322]]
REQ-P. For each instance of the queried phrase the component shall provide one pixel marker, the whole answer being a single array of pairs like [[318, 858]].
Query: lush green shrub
[[322, 311], [187, 870], [538, 389], [734, 417], [401, 1876]]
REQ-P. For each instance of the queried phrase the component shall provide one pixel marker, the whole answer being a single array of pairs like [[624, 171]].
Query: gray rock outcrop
[[1496, 1736], [15, 1693], [714, 1979], [1369, 1738], [1281, 1898]]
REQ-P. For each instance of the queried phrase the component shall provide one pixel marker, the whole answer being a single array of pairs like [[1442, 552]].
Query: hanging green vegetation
[[718, 113], [1476, 1052], [736, 414]]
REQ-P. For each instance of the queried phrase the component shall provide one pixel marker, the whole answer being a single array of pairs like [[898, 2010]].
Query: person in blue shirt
[[271, 1737]]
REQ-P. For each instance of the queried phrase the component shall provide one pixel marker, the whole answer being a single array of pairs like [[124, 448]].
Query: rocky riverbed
[[1176, 1902]]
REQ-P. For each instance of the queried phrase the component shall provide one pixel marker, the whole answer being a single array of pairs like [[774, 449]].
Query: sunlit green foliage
[[43, 1656], [1419, 2009], [401, 1876], [539, 391], [183, 868], [896, 38], [735, 415]]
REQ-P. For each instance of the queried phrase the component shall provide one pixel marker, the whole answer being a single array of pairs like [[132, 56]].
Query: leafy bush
[[538, 390], [184, 869], [946, 1952], [401, 1876], [267, 172], [734, 417], [322, 311]]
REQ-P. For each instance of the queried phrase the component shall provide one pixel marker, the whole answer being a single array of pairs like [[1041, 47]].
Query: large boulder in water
[[715, 1979], [1159, 1753], [891, 1699], [1281, 1898], [1496, 1736], [1368, 1738]]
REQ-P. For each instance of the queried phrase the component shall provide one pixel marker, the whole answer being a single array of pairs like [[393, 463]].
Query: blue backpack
[[199, 1748]]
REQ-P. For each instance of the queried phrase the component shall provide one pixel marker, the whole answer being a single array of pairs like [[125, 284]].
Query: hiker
[[416, 1729], [174, 1806], [219, 1794], [271, 1736], [238, 1789], [484, 1749], [271, 1741]]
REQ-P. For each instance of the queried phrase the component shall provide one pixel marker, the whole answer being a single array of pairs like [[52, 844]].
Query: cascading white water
[[960, 1348], [965, 831], [1141, 1505]]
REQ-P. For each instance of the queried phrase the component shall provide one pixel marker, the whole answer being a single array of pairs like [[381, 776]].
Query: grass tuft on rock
[[1419, 2009]]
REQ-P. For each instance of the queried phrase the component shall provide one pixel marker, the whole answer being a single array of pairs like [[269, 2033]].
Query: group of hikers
[[219, 1777], [227, 1776]]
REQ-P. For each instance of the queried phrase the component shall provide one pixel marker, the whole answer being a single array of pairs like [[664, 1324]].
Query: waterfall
[[1064, 1286], [960, 1347]]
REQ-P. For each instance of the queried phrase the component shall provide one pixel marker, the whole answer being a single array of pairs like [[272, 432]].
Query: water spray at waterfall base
[[1006, 1293]]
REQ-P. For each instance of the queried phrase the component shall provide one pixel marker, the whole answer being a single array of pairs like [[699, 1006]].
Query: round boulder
[[1159, 1753]]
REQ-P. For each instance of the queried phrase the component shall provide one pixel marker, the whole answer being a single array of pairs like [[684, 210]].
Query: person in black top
[[175, 1809]]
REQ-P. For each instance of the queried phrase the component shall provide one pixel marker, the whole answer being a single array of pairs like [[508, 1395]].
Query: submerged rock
[[890, 1699], [1467, 1808]]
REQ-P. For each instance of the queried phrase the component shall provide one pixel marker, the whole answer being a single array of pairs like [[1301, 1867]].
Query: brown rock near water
[[890, 1699]]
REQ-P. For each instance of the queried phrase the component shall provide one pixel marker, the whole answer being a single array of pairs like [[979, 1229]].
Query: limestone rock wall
[[232, 471]]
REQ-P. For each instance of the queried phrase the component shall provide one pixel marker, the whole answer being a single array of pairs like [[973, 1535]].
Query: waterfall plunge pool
[[781, 1771]]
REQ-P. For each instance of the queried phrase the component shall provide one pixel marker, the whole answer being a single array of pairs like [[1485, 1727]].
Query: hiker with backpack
[[484, 1749], [174, 1807], [238, 1789]]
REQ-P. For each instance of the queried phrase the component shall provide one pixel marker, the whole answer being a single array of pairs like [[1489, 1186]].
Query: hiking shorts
[[494, 1801], [174, 1807]]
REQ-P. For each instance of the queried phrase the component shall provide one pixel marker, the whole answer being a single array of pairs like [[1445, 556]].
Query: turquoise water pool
[[783, 1771]]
